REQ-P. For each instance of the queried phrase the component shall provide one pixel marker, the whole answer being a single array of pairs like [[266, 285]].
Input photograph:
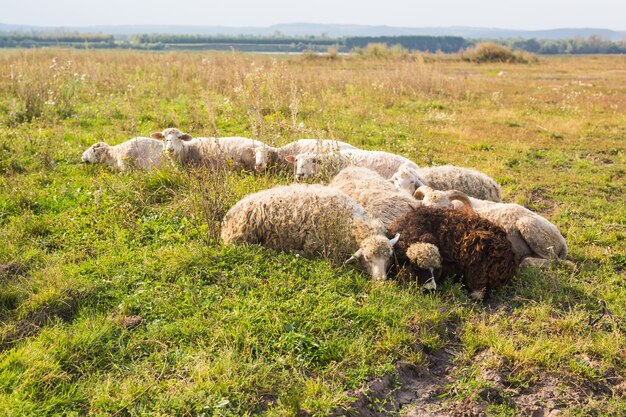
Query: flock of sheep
[[380, 210]]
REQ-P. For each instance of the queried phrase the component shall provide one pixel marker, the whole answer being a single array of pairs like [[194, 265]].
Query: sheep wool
[[230, 152], [139, 152], [269, 156], [471, 248], [377, 195], [385, 163], [535, 240], [313, 220], [449, 177]]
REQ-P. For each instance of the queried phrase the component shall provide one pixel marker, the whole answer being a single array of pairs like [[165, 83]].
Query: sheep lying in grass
[[449, 177], [461, 243], [535, 240], [313, 220], [268, 156], [234, 152], [137, 152], [312, 164], [378, 196]]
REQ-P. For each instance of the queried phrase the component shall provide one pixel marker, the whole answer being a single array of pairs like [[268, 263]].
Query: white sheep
[[378, 196], [267, 156], [535, 240], [313, 164], [234, 150], [312, 220], [139, 152], [449, 177]]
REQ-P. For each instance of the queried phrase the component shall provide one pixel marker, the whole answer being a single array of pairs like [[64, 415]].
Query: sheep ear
[[157, 135], [419, 194], [185, 137], [291, 159], [354, 257], [395, 239]]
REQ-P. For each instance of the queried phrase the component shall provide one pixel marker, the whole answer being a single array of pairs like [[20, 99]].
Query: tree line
[[280, 43]]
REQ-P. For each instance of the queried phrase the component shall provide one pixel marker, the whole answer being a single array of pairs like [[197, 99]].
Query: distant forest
[[445, 44]]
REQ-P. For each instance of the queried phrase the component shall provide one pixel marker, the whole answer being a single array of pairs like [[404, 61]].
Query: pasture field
[[118, 299]]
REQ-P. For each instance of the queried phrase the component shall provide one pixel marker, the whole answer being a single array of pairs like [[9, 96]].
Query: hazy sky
[[509, 14]]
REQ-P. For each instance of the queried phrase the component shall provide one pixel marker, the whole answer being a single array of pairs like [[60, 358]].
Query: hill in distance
[[330, 30]]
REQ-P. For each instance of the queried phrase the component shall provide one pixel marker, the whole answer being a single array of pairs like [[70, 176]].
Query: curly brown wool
[[473, 249]]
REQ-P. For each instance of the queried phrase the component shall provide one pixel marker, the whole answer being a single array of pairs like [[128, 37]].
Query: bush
[[493, 52]]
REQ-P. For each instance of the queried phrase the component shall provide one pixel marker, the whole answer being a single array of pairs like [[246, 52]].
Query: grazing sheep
[[448, 177], [181, 147], [378, 196], [137, 152], [312, 164], [313, 220], [266, 156], [535, 240], [463, 244]]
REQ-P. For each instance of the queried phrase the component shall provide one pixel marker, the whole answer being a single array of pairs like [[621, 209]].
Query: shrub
[[493, 52]]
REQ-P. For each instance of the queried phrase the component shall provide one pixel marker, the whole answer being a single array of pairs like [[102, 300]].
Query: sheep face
[[375, 254], [443, 199], [425, 257], [263, 157], [95, 153], [433, 198], [307, 165], [172, 140], [260, 159], [407, 179]]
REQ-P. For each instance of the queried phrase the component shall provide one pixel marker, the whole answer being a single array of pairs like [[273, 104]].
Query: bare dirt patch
[[412, 391], [408, 386]]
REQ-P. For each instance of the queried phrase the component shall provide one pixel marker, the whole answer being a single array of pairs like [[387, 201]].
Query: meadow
[[118, 299]]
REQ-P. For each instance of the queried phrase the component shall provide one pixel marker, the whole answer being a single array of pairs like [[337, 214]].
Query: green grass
[[122, 301]]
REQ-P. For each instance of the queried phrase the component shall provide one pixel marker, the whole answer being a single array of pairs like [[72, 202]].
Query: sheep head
[[375, 255], [306, 165], [407, 179], [172, 139], [425, 256], [96, 153], [442, 199], [264, 156]]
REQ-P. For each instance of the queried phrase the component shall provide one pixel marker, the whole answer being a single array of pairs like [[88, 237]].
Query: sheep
[[312, 164], [378, 196], [266, 156], [449, 177], [187, 150], [312, 220], [139, 152], [535, 240], [461, 243]]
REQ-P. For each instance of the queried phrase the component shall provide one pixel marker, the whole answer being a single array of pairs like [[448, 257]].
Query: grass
[[117, 298]]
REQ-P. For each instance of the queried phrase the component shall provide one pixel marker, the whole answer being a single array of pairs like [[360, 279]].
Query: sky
[[505, 14]]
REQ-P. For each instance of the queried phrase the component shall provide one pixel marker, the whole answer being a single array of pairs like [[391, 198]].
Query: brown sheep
[[461, 243]]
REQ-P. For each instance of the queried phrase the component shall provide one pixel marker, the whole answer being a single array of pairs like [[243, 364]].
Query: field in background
[[116, 297]]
